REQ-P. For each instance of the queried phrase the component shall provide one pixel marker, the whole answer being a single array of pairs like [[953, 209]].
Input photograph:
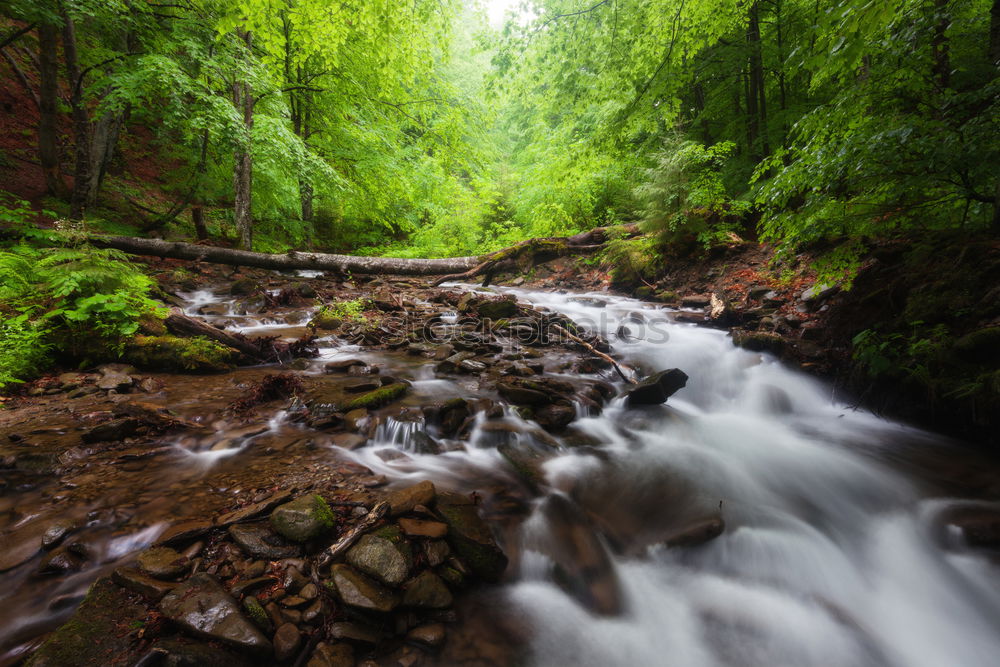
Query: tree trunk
[[531, 251], [81, 122], [939, 45], [48, 107], [994, 49], [198, 220], [243, 170], [756, 96], [103, 142]]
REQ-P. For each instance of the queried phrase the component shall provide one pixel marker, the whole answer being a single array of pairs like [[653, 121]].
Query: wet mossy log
[[521, 255]]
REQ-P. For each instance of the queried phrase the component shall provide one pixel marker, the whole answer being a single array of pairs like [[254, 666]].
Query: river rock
[[384, 555], [114, 430], [436, 552], [201, 606], [117, 381], [697, 532], [404, 500], [357, 590], [137, 582], [555, 417], [332, 655], [287, 641], [426, 590], [431, 634], [353, 632], [656, 388], [303, 519], [349, 441], [421, 528], [162, 563], [260, 541], [521, 395], [56, 531], [470, 537]]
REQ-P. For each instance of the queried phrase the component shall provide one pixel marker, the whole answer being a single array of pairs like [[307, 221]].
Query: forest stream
[[750, 520]]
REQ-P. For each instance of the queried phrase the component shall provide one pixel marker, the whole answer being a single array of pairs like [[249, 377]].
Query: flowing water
[[834, 551]]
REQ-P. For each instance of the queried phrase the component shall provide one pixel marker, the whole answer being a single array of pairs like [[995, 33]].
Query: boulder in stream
[[384, 555], [656, 388], [203, 607]]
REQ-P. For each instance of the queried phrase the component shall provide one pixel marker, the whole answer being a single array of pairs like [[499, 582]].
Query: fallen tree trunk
[[522, 254], [180, 324]]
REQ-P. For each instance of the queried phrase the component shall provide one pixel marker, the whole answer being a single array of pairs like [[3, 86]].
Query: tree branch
[[16, 34]]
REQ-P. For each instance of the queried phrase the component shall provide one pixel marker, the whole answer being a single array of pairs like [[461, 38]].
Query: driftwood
[[593, 350], [523, 254], [339, 547], [180, 324]]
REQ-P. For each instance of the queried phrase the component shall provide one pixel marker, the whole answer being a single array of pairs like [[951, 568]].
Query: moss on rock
[[170, 353], [377, 397]]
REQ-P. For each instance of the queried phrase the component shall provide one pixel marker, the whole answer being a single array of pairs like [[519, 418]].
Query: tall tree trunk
[[756, 99], [994, 55], [243, 171], [81, 122], [939, 45], [48, 107], [103, 141], [994, 48], [198, 220]]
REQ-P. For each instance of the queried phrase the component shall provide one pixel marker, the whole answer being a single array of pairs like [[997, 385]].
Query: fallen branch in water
[[593, 350], [337, 549]]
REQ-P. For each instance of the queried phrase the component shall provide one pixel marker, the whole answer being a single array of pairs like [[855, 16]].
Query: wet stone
[[436, 552], [116, 381], [260, 541], [357, 590], [421, 528], [137, 582], [388, 557], [287, 642], [471, 538], [656, 388], [426, 590], [55, 532], [252, 584], [201, 606], [349, 441], [162, 563], [404, 500], [429, 635], [332, 655], [303, 519]]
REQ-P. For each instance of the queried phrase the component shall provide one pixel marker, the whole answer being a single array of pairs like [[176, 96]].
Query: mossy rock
[[470, 538], [759, 341], [174, 354], [325, 320], [668, 296], [377, 397], [497, 309], [93, 636], [644, 292], [980, 347], [151, 325], [303, 518], [243, 287]]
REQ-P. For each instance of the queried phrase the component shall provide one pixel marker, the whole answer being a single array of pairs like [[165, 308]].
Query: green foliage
[[684, 193], [631, 261], [913, 355], [23, 348], [347, 311], [75, 298]]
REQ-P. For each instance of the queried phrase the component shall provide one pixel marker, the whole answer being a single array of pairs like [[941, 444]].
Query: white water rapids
[[829, 557]]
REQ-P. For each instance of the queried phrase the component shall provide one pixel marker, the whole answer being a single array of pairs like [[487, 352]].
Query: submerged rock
[[656, 388], [404, 500], [470, 537], [203, 607]]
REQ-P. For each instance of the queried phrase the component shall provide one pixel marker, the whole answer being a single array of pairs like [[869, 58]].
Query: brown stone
[[420, 528]]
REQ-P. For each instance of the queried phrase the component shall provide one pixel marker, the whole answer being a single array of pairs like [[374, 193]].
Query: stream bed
[[751, 520]]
